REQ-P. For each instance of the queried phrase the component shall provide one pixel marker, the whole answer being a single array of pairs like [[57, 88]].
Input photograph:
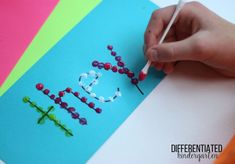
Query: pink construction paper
[[20, 21]]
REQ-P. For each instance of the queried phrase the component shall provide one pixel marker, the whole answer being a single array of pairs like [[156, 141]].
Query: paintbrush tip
[[142, 76]]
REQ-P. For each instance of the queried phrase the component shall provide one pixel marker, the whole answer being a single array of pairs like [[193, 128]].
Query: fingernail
[[154, 55]]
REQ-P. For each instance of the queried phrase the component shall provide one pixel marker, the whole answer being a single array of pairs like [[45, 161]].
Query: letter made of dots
[[87, 88], [46, 115], [119, 68]]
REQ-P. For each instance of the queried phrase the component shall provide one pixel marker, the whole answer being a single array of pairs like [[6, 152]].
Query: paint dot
[[91, 105], [121, 71], [76, 94], [39, 86], [100, 65], [46, 91], [107, 66], [83, 121], [57, 100], [83, 99], [110, 47], [120, 64], [61, 93], [114, 69], [68, 90], [52, 96], [118, 58], [63, 105], [98, 110], [95, 63], [134, 81], [71, 109], [75, 115], [130, 74], [113, 53]]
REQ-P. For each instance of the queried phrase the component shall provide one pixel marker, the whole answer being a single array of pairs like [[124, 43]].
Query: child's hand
[[197, 35]]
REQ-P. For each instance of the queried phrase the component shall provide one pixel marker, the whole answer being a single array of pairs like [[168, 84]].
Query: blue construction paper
[[22, 140]]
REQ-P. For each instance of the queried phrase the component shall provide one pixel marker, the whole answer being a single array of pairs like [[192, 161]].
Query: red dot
[[114, 69], [39, 86], [76, 94], [61, 93], [134, 81], [98, 110], [83, 99], [57, 100], [130, 74], [91, 105], [46, 91], [69, 90], [107, 66]]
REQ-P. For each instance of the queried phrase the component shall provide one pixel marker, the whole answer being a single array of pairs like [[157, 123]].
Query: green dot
[[26, 99], [52, 116]]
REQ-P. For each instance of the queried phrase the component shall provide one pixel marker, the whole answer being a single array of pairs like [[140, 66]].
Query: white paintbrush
[[179, 6]]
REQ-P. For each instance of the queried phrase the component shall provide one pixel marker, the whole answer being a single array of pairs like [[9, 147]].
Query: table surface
[[192, 105]]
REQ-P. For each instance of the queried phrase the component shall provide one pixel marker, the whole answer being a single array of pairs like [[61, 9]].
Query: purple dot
[[100, 65], [110, 47], [63, 105], [121, 71], [75, 115], [120, 64], [95, 63], [118, 58], [83, 121], [52, 96], [71, 109], [113, 53]]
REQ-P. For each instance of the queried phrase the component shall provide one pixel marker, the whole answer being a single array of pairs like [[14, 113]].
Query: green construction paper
[[65, 16]]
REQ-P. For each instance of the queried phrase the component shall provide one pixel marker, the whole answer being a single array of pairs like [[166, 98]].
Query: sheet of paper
[[20, 21], [65, 16], [112, 22], [194, 105]]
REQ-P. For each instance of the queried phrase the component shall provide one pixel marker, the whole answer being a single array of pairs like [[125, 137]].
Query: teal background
[[23, 141]]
